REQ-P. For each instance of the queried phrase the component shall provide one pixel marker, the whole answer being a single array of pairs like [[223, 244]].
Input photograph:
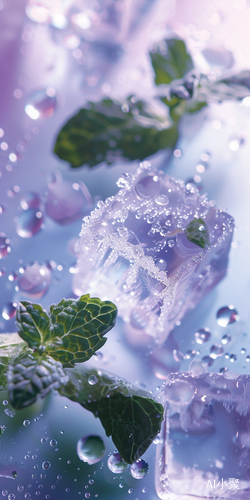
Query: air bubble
[[26, 423]]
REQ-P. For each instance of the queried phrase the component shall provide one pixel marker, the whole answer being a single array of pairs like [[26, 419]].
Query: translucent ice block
[[134, 251], [204, 449]]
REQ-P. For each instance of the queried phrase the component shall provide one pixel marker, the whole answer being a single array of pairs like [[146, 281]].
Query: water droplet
[[5, 402], [9, 310], [41, 103], [11, 496], [148, 186], [92, 380], [243, 350], [66, 202], [226, 315], [30, 200], [90, 449], [26, 423], [139, 469], [162, 199], [216, 351], [5, 248], [223, 369], [207, 361], [171, 243], [116, 464], [202, 335], [53, 443], [233, 358], [29, 222], [35, 281], [226, 338], [46, 465]]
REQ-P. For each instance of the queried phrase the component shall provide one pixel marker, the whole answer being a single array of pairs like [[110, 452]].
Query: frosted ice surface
[[133, 250], [204, 449]]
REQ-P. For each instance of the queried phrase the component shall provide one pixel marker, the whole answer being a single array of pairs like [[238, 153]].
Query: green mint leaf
[[31, 376], [127, 414], [197, 232], [78, 328], [33, 323], [170, 61], [106, 133]]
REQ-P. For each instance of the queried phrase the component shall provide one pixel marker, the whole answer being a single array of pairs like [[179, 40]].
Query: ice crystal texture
[[133, 250], [204, 449]]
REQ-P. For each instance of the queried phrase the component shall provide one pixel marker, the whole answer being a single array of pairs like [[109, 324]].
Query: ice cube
[[134, 250], [204, 448]]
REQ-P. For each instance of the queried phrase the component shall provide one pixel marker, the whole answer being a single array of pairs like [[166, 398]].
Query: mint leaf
[[106, 133], [170, 61], [78, 328], [32, 375], [197, 232], [127, 414], [33, 323]]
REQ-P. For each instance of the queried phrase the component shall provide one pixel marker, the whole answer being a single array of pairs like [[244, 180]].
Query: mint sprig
[[51, 344], [110, 130], [73, 330]]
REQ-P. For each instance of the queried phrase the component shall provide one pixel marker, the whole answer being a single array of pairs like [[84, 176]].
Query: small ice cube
[[136, 249], [204, 450]]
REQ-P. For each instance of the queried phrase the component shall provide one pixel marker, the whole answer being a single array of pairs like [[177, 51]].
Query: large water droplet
[[202, 335], [90, 449], [9, 310], [67, 202], [41, 103], [139, 469], [116, 464], [30, 200], [29, 222], [148, 186], [35, 281], [226, 315], [4, 246]]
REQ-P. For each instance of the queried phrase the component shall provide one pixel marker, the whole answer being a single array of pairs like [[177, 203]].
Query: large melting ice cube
[[133, 250], [204, 449]]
